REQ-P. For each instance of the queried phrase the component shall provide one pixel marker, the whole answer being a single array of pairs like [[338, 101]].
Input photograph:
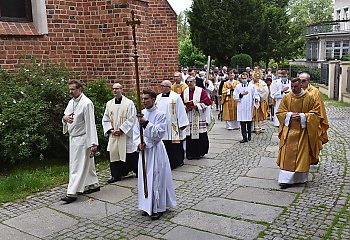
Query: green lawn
[[20, 182], [331, 102]]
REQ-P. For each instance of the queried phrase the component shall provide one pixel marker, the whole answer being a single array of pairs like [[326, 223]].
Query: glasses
[[164, 86], [303, 80]]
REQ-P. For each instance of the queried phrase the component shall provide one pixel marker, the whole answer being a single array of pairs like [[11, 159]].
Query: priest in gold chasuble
[[299, 116], [229, 113], [324, 125]]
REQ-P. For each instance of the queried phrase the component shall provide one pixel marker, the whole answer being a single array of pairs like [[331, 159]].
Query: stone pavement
[[232, 193]]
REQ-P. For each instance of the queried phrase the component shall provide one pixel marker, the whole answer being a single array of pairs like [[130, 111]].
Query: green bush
[[32, 102], [242, 60], [99, 93]]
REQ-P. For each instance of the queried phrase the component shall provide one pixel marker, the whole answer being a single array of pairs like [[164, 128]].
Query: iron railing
[[329, 27]]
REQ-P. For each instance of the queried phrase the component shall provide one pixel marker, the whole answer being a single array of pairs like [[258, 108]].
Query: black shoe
[[243, 141], [285, 185], [249, 138], [144, 213], [92, 190], [189, 157], [155, 216], [68, 199], [114, 179]]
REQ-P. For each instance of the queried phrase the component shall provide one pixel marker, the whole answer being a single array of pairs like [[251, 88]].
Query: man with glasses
[[176, 121], [118, 122], [315, 93], [184, 74], [299, 116], [178, 85], [196, 101]]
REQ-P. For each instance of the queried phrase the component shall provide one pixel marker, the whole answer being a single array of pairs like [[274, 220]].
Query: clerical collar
[[118, 100], [299, 94], [78, 98], [166, 94], [151, 109]]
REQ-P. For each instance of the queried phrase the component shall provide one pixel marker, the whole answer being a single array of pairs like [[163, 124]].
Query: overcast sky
[[180, 5]]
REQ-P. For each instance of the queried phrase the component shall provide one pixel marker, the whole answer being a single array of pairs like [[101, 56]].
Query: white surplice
[[278, 95], [161, 193], [246, 103], [176, 116], [120, 117], [82, 135]]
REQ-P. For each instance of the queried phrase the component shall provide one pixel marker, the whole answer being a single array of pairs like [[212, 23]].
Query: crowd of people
[[174, 125]]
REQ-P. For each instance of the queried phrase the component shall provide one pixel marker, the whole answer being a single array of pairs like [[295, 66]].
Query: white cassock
[[278, 95], [82, 135], [120, 117], [176, 116], [246, 103], [161, 193]]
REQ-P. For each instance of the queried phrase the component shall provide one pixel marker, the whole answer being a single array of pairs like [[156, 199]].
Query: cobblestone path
[[230, 194]]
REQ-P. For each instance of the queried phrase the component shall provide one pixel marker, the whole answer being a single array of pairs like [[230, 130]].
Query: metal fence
[[324, 74]]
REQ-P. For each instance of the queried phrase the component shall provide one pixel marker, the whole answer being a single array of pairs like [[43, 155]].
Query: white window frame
[[40, 16]]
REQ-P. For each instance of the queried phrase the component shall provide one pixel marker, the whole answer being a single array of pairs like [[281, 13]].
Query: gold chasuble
[[298, 146], [229, 104], [260, 113], [179, 88], [323, 127]]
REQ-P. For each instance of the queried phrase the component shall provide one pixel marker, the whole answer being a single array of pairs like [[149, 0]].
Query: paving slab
[[265, 173], [188, 168], [226, 137], [266, 196], [218, 224], [88, 208], [183, 176], [268, 162], [8, 233], [41, 222], [266, 183], [203, 162], [272, 148], [112, 193], [185, 233], [239, 209], [127, 182]]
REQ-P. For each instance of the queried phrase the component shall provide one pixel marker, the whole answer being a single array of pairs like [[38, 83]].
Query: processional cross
[[133, 24]]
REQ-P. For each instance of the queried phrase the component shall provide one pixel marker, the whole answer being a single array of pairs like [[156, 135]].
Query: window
[[346, 13], [16, 11], [337, 15], [337, 49]]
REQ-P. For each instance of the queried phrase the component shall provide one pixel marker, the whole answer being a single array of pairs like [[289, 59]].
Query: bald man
[[118, 122], [176, 121], [178, 85]]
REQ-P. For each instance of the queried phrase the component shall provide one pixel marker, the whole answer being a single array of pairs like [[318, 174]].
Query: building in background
[[329, 40], [91, 37]]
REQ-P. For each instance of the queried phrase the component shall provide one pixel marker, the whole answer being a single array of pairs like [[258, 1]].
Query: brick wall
[[92, 38]]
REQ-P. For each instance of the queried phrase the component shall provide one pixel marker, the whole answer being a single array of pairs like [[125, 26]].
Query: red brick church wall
[[91, 37]]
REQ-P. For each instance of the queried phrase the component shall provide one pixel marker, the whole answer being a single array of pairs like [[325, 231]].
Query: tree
[[189, 55], [183, 28], [306, 12], [276, 40], [227, 27]]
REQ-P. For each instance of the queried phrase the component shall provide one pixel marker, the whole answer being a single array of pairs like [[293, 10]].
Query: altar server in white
[[161, 193], [79, 122]]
